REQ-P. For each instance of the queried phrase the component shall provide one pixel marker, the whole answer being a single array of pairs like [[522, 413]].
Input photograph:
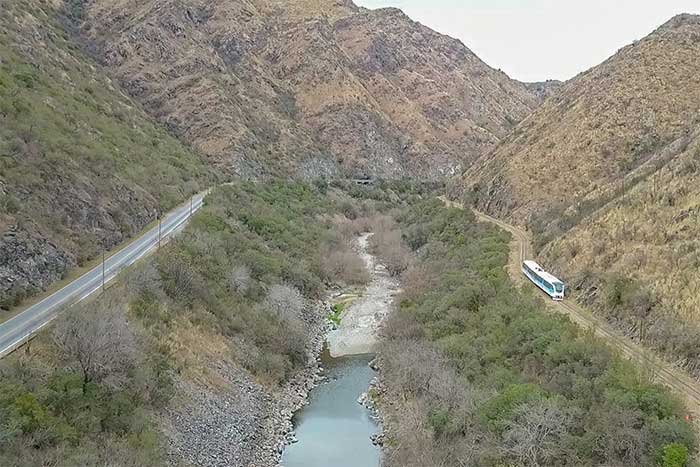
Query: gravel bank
[[360, 323], [246, 425]]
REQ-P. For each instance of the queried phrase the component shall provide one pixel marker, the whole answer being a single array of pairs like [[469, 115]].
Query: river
[[334, 430]]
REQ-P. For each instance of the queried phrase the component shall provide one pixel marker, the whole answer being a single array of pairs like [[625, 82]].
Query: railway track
[[660, 370]]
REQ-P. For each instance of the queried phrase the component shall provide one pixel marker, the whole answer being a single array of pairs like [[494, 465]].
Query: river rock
[[245, 424]]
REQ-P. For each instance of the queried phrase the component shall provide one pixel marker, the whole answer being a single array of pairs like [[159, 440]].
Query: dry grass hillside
[[305, 87], [649, 235], [598, 127], [605, 174], [97, 98], [636, 258], [82, 166]]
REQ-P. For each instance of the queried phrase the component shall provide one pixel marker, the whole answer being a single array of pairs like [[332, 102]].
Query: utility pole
[[623, 190], [103, 271], [160, 223]]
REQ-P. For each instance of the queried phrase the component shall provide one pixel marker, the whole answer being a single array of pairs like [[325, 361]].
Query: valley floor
[[213, 345], [475, 370], [334, 428]]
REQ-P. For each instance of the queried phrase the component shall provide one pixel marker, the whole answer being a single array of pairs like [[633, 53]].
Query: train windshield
[[559, 287]]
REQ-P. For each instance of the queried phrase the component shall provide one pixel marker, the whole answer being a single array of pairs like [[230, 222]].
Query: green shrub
[[674, 455], [9, 204], [500, 408], [336, 313], [439, 421], [519, 366]]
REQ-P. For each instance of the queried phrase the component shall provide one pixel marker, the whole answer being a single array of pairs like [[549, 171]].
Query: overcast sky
[[534, 40]]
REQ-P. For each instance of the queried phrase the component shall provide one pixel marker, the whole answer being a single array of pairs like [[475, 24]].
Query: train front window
[[559, 287]]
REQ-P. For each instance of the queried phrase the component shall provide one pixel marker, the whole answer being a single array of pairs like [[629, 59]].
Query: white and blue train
[[544, 280]]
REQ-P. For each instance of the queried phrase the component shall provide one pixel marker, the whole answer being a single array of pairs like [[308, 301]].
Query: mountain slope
[[648, 234], [598, 127], [82, 167], [605, 174], [306, 86]]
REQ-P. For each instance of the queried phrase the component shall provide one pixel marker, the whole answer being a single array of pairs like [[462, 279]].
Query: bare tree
[[239, 279], [412, 366], [534, 435], [284, 301], [96, 339], [143, 277], [416, 281], [388, 245], [285, 305], [178, 279], [621, 441], [641, 303], [414, 445], [343, 264]]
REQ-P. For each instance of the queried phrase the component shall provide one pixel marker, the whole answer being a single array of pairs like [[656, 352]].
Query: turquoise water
[[334, 430]]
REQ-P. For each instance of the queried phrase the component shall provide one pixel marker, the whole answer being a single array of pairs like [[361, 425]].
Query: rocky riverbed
[[330, 428], [358, 332], [242, 423]]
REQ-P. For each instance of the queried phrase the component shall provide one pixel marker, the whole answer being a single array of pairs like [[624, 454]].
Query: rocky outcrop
[[545, 89], [29, 264]]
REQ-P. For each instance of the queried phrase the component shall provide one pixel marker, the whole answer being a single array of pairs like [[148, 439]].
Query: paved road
[[17, 330]]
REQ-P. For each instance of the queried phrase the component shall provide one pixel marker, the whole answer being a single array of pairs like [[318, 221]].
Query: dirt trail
[[660, 370], [360, 322]]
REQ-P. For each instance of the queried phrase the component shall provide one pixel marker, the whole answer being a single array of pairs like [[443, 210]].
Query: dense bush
[[246, 268], [506, 383], [249, 264], [90, 402]]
